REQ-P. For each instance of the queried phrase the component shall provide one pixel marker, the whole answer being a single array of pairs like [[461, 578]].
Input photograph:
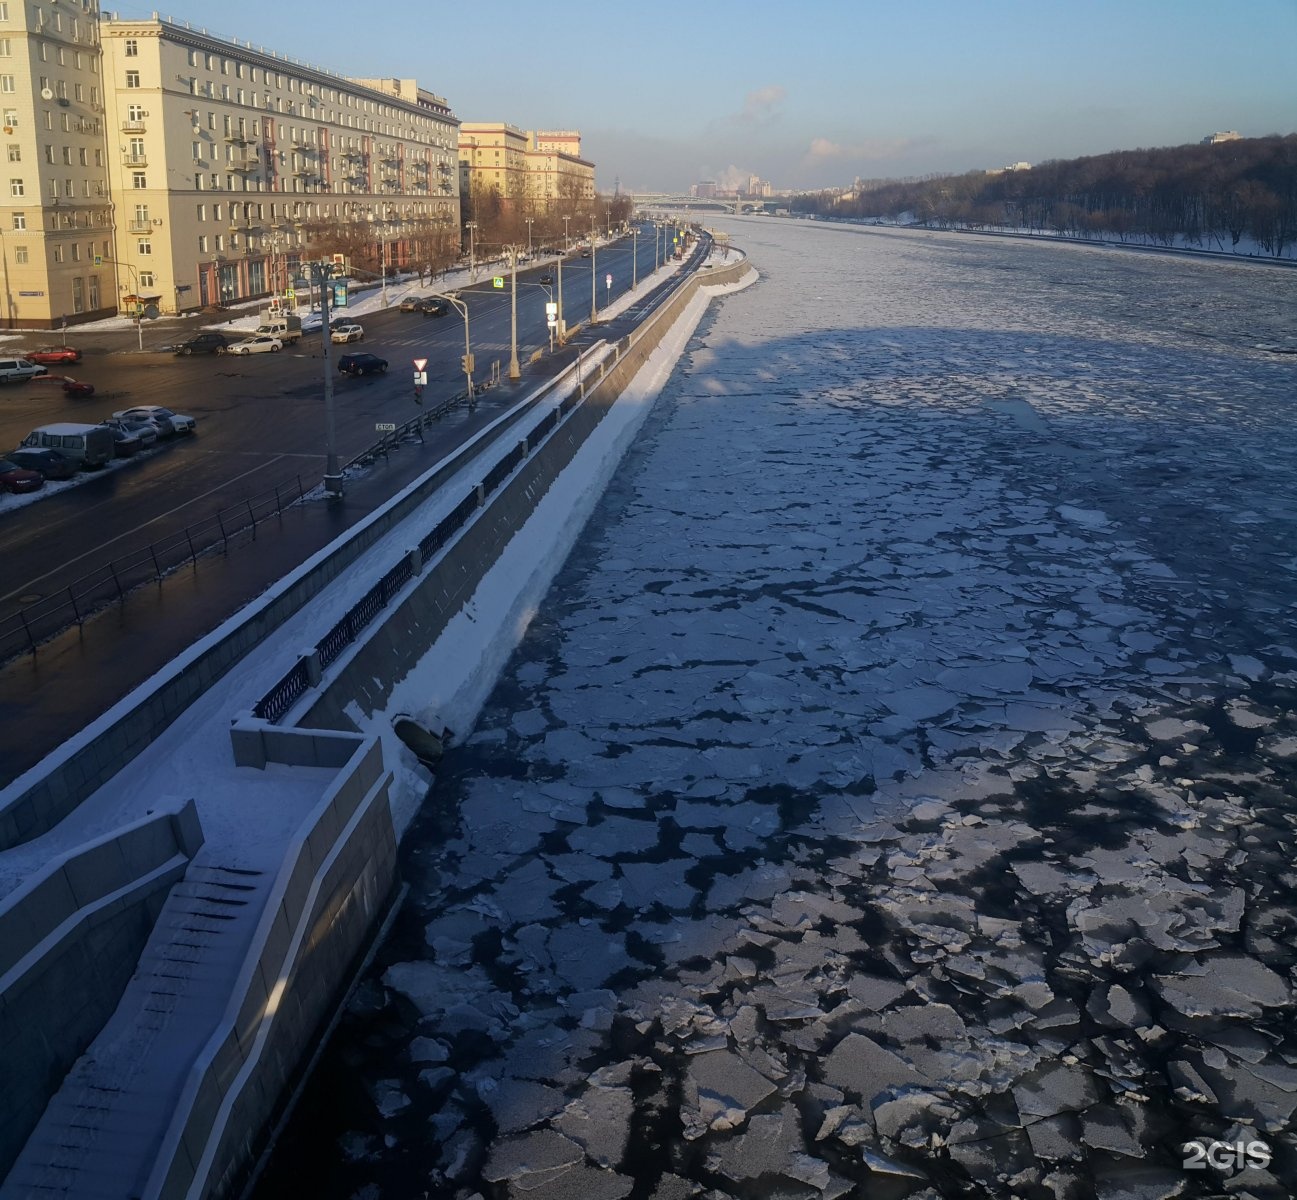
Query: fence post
[[76, 612], [225, 537], [279, 512], [193, 557], [27, 629], [117, 583], [157, 570], [251, 516]]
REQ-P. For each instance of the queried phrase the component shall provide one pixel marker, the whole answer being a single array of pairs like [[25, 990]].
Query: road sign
[[385, 427], [421, 379], [420, 363], [497, 281], [607, 281], [551, 309]]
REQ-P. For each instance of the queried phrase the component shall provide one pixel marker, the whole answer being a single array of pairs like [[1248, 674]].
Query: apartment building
[[539, 169], [154, 166], [225, 162], [56, 218]]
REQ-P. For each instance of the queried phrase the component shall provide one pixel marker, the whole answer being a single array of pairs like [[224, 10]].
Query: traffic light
[[466, 363]]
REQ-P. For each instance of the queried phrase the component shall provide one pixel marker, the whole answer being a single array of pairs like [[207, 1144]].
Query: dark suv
[[434, 306], [204, 343], [362, 364]]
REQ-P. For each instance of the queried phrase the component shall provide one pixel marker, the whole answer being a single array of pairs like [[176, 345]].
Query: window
[[15, 152], [58, 252], [94, 291], [7, 84], [194, 58], [202, 244], [20, 220], [132, 48], [99, 158], [139, 179], [144, 246], [6, 50], [146, 280], [82, 157], [141, 214], [216, 212], [78, 297], [78, 93], [132, 79], [135, 112], [76, 251], [20, 255], [16, 187], [4, 11], [220, 242], [67, 156], [198, 150]]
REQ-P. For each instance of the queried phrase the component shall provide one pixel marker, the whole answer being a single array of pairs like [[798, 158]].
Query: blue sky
[[812, 94]]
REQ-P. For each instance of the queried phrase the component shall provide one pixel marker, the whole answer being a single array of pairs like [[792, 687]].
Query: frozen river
[[894, 795]]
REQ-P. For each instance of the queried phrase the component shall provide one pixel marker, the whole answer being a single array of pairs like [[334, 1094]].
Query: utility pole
[[634, 257], [562, 332], [332, 476], [472, 254], [529, 221], [594, 275], [514, 371], [566, 240]]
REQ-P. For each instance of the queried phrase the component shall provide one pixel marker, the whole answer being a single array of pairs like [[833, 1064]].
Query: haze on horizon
[[817, 96]]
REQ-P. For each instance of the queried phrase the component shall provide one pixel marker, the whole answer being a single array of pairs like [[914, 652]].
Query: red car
[[71, 387], [54, 354], [14, 478]]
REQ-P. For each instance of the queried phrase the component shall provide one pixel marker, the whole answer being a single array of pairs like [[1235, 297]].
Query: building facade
[[540, 170], [154, 166]]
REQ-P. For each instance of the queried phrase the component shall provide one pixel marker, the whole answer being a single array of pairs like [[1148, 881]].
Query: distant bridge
[[705, 203]]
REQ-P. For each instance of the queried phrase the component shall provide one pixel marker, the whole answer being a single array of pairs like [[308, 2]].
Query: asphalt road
[[261, 417], [46, 697]]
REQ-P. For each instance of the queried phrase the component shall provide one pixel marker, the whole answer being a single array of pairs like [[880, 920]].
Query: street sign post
[[497, 281]]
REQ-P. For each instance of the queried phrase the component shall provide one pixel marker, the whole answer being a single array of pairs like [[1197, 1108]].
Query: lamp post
[[319, 273], [561, 330], [471, 226], [566, 241], [528, 222], [461, 307], [634, 257], [514, 370], [594, 276]]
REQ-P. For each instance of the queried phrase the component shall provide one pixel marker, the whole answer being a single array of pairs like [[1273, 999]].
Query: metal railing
[[23, 630]]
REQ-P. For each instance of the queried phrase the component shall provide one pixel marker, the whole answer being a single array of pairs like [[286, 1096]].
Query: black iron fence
[[23, 629]]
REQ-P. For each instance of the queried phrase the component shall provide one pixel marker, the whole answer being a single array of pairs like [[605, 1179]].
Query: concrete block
[[289, 746], [248, 743]]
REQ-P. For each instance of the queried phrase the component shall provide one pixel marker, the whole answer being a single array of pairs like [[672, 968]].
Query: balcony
[[138, 159], [132, 126], [236, 139], [144, 226], [246, 163]]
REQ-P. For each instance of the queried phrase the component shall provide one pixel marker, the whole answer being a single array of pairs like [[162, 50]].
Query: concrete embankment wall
[[391, 648], [337, 880], [69, 941], [37, 801]]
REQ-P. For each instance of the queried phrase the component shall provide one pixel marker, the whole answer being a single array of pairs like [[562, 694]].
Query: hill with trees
[[1211, 196]]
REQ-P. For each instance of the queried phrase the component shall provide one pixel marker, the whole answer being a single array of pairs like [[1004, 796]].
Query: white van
[[12, 370], [86, 445]]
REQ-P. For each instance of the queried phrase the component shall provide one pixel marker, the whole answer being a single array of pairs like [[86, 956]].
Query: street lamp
[[461, 307], [514, 371], [562, 332], [471, 226], [634, 257], [320, 273], [594, 274], [566, 241], [529, 221]]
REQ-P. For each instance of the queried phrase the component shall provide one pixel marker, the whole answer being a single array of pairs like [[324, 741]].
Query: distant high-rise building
[[1216, 138]]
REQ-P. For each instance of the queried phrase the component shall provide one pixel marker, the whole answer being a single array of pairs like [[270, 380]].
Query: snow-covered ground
[[893, 795]]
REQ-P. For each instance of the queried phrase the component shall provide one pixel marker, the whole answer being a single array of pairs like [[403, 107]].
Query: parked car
[[204, 343], [547, 278], [259, 343], [18, 480], [347, 333], [52, 464], [434, 306], [362, 364], [163, 417], [15, 370], [411, 303], [88, 446], [126, 443], [50, 355], [146, 432]]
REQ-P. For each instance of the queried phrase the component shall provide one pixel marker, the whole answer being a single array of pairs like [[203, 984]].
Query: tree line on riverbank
[[1213, 196]]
